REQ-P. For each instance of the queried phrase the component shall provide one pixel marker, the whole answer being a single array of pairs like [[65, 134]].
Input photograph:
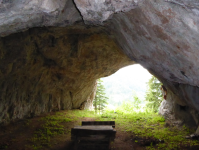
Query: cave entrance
[[125, 84]]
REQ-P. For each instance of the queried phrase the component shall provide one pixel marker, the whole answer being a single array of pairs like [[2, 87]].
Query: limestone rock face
[[21, 15], [163, 37], [84, 42], [177, 114], [97, 11], [89, 103], [49, 69]]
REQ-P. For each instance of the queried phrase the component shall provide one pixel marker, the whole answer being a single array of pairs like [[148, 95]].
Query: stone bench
[[94, 135]]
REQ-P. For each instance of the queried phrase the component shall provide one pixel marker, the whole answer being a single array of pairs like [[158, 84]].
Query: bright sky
[[122, 84], [136, 72]]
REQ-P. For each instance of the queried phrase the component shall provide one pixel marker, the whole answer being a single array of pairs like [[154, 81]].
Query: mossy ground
[[148, 129], [144, 130], [56, 125]]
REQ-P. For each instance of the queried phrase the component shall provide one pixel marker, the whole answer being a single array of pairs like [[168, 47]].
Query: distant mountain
[[121, 85]]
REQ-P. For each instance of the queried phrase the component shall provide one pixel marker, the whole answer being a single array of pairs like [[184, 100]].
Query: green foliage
[[143, 124], [100, 100], [154, 94], [85, 113], [51, 126], [119, 86], [131, 106], [137, 101], [149, 125], [126, 106]]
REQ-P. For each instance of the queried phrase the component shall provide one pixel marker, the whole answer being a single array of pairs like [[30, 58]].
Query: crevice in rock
[[185, 4], [74, 45], [183, 73], [71, 98], [73, 1], [183, 108]]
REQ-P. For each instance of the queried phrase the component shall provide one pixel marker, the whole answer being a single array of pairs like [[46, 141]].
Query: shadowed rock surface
[[49, 69], [55, 67]]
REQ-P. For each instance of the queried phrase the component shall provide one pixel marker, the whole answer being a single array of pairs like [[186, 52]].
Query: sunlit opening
[[125, 84], [131, 89]]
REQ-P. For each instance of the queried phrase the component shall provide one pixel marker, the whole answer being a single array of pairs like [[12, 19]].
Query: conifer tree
[[100, 100], [136, 101], [154, 94]]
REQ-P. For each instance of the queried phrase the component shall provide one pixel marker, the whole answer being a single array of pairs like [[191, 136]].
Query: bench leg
[[76, 144]]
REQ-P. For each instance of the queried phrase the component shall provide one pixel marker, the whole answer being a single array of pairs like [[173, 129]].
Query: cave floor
[[52, 132], [23, 135]]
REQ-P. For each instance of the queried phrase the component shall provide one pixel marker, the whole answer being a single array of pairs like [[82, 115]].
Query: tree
[[154, 94], [100, 100], [136, 101]]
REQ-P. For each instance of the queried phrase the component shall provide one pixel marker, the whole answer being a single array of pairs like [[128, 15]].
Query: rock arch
[[51, 52]]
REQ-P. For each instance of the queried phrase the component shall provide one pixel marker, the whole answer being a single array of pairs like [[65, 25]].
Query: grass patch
[[149, 125], [55, 125], [51, 126], [142, 126]]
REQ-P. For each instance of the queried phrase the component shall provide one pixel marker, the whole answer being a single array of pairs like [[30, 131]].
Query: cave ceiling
[[62, 46]]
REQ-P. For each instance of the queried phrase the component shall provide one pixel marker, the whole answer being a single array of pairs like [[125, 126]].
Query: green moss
[[144, 125], [50, 126], [149, 125]]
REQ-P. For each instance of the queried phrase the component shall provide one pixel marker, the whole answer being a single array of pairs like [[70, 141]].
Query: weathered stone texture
[[177, 114], [19, 15], [97, 11], [89, 103], [47, 69], [163, 37]]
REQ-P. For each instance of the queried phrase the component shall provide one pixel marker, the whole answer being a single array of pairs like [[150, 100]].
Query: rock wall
[[177, 114], [89, 103], [49, 69], [45, 69], [161, 35], [21, 15]]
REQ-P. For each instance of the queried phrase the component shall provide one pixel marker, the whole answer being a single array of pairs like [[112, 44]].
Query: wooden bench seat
[[93, 135], [98, 123]]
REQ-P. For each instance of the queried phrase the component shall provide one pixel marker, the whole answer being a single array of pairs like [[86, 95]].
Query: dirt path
[[18, 136]]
